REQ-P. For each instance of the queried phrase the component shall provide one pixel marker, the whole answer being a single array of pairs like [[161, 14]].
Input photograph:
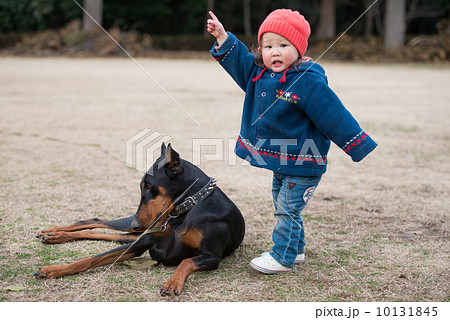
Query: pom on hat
[[289, 24]]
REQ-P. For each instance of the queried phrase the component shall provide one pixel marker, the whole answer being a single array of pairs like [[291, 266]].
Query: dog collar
[[185, 206], [191, 201]]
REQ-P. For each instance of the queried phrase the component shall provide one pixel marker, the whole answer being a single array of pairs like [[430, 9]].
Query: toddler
[[290, 116]]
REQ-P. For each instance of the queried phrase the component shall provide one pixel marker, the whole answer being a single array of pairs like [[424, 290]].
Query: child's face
[[277, 52]]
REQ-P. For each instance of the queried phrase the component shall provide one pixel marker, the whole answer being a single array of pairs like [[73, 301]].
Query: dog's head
[[160, 186]]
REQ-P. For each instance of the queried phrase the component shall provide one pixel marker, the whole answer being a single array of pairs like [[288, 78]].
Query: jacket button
[[272, 75], [263, 94]]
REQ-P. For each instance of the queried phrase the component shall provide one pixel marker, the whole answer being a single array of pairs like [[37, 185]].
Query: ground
[[376, 230]]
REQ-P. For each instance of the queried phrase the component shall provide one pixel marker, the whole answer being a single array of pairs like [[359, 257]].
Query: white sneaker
[[266, 264], [299, 259]]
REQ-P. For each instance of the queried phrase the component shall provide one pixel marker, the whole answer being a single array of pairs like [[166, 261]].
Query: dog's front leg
[[119, 254], [176, 283]]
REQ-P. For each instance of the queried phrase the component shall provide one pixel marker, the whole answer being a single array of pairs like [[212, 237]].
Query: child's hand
[[216, 29]]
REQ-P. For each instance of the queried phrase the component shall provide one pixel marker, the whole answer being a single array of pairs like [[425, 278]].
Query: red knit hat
[[289, 24]]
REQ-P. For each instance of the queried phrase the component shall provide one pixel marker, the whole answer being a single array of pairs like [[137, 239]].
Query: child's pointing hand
[[216, 29]]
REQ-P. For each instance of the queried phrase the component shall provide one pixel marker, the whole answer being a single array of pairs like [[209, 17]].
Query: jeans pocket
[[299, 191]]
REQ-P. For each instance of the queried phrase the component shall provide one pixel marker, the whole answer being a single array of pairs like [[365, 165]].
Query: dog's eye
[[154, 191]]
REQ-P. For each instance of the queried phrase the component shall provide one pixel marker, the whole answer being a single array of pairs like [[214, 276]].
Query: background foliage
[[187, 17]]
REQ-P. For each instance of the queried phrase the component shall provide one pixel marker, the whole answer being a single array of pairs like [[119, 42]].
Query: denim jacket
[[289, 118]]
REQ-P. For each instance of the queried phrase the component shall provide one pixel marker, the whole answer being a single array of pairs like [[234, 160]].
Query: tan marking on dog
[[149, 212], [192, 238]]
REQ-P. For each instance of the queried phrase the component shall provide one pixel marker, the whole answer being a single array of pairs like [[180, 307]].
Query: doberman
[[183, 219]]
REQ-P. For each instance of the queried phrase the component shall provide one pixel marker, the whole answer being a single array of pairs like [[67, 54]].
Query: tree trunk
[[209, 7], [378, 20], [247, 21], [327, 23], [95, 9], [394, 31], [369, 19]]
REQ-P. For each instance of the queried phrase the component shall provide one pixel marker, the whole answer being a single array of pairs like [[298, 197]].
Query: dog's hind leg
[[123, 224], [75, 231], [64, 236]]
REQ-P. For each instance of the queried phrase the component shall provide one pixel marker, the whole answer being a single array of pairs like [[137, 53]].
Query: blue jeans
[[290, 196]]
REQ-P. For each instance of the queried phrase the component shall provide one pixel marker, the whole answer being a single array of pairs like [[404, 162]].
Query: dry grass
[[376, 231]]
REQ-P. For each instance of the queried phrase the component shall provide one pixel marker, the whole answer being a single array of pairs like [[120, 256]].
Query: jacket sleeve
[[235, 58], [328, 113]]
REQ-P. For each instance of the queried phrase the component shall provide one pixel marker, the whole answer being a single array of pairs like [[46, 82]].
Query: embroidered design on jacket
[[287, 96], [222, 57], [275, 154], [360, 137]]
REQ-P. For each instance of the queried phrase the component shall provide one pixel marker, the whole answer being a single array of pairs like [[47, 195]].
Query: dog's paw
[[41, 234], [47, 231], [49, 272], [53, 237], [173, 287]]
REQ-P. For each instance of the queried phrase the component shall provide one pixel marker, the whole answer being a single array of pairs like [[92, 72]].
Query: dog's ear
[[162, 160], [173, 164], [163, 149]]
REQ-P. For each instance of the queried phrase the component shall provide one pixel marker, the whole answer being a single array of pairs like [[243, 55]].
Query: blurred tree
[[209, 7], [372, 18], [33, 15], [327, 20], [394, 31], [368, 19], [187, 17], [95, 10], [422, 15], [247, 19]]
